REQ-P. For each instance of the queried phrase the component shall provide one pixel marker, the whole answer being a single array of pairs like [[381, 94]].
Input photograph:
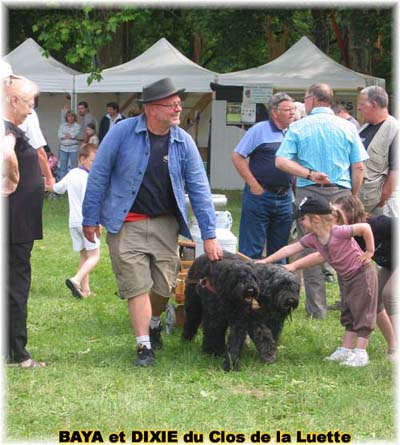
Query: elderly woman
[[68, 134], [23, 186]]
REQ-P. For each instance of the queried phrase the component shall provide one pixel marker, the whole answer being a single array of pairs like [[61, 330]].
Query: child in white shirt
[[74, 182]]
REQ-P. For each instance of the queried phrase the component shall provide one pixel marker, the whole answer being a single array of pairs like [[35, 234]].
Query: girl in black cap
[[335, 244]]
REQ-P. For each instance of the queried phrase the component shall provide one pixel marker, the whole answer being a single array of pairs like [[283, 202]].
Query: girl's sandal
[[30, 363]]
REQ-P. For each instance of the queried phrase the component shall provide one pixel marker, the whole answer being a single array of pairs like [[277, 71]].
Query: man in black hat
[[136, 190]]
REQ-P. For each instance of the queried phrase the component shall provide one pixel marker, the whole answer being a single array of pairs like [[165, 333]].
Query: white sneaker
[[340, 355], [393, 355], [357, 359]]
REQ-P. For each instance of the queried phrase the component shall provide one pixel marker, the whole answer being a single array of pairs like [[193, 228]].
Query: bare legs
[[87, 261]]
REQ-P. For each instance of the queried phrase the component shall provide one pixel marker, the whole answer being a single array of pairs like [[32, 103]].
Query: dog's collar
[[203, 282]]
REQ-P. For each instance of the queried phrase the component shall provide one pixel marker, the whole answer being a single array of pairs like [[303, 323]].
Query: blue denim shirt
[[118, 171]]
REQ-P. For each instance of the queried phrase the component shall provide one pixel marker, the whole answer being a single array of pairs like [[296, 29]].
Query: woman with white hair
[[23, 186]]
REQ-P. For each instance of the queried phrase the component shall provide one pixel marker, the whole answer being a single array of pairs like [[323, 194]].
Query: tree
[[84, 36], [90, 39]]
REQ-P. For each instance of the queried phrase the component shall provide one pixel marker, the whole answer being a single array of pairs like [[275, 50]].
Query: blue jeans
[[265, 218], [65, 158]]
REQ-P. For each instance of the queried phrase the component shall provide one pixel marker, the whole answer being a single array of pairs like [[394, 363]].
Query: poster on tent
[[248, 113], [257, 94], [348, 100]]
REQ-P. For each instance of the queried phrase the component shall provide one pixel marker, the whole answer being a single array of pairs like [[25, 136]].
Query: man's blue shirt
[[118, 171], [326, 143], [260, 144]]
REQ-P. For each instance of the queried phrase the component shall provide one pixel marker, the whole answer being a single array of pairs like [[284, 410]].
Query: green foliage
[[80, 33], [91, 383], [91, 39]]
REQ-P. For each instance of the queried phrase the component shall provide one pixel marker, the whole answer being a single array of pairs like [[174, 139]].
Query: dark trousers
[[19, 283]]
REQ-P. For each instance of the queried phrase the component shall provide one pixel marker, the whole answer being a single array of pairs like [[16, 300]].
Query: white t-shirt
[[32, 130], [74, 182]]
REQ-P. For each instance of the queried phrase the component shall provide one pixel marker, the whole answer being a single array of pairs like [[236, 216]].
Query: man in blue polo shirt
[[267, 196], [326, 153]]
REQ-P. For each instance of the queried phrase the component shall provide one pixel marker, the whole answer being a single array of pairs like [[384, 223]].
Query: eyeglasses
[[286, 110], [307, 97], [171, 106]]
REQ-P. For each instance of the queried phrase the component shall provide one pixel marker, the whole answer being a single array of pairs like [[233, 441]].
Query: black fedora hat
[[159, 90]]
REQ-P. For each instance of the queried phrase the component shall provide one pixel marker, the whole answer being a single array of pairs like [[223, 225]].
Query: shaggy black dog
[[219, 295], [222, 295], [279, 296]]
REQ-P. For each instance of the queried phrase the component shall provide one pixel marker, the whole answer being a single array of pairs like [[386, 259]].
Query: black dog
[[278, 297], [219, 295], [222, 295]]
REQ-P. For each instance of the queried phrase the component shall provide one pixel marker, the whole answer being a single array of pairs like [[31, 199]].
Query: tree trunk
[[340, 39], [359, 56], [276, 46], [320, 29], [197, 47]]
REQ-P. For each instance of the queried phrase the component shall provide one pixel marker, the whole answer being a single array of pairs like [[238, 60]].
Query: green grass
[[91, 384]]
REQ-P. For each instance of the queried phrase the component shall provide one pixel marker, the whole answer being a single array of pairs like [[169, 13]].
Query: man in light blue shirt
[[326, 154], [136, 190]]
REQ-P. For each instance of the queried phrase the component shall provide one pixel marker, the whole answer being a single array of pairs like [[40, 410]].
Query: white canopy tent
[[298, 68], [160, 60], [293, 72], [52, 76], [54, 79], [123, 83]]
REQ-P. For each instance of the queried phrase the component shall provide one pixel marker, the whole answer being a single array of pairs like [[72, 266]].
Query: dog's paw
[[268, 358], [230, 364]]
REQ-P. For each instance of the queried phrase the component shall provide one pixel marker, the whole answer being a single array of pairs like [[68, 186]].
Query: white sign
[[248, 113], [257, 94]]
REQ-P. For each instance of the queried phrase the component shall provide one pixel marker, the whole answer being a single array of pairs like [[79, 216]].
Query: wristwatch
[[309, 174]]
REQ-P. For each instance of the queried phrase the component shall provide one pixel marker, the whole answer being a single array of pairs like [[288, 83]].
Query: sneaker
[[145, 357], [155, 337], [357, 359], [340, 355], [392, 355]]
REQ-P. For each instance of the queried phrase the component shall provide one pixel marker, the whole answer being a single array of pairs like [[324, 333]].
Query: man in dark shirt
[[267, 196], [136, 189], [112, 117]]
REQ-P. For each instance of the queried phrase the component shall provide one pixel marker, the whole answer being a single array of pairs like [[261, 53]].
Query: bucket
[[223, 220], [225, 237]]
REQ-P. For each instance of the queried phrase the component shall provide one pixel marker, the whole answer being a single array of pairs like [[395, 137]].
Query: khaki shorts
[[144, 256]]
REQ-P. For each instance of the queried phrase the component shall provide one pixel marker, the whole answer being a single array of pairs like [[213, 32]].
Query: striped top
[[326, 143]]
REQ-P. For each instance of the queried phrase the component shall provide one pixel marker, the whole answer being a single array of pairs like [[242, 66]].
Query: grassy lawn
[[91, 384]]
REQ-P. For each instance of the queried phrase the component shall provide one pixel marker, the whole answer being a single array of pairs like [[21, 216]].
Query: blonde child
[[74, 182], [382, 227], [335, 244]]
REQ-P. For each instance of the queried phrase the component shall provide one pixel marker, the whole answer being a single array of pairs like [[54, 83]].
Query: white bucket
[[225, 237], [223, 220]]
